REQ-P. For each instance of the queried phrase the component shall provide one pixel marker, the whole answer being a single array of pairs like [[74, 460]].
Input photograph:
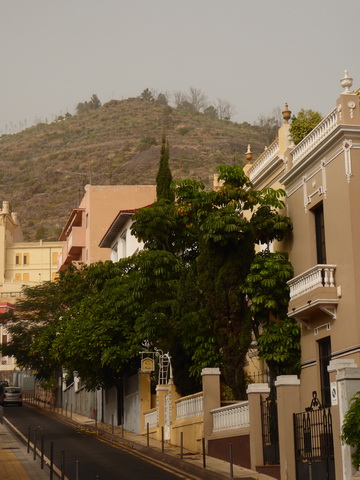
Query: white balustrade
[[152, 418], [315, 137], [190, 406], [263, 161], [231, 417], [318, 276]]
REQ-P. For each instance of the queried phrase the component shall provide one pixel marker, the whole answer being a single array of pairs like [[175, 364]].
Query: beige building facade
[[88, 223], [321, 178]]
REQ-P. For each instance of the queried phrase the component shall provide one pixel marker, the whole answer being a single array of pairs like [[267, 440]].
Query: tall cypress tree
[[164, 177]]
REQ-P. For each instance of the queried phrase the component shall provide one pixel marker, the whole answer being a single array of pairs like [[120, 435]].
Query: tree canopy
[[303, 123], [198, 290]]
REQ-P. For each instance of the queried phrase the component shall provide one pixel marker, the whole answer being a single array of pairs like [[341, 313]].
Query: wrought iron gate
[[270, 434], [314, 449]]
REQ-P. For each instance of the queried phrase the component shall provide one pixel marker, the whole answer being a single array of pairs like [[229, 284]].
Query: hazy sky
[[256, 54]]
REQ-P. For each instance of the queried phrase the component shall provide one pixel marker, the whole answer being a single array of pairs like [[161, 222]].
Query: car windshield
[[12, 390]]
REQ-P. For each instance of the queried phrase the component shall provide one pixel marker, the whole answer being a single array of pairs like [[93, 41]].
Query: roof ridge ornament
[[286, 113], [346, 83]]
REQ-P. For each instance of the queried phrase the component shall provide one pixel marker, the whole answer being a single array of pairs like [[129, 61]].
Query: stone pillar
[[345, 382], [288, 403], [254, 391], [211, 396], [174, 440], [161, 392], [145, 396]]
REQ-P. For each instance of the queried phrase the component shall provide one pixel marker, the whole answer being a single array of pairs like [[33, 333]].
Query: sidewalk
[[191, 463], [15, 462]]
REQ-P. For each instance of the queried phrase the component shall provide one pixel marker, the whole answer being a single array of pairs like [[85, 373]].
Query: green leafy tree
[[217, 232], [303, 123], [182, 294], [279, 346], [351, 429]]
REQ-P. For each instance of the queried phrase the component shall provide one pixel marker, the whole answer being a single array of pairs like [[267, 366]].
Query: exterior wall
[[21, 264], [125, 244], [240, 448], [339, 195], [323, 169], [99, 207], [41, 263], [102, 204]]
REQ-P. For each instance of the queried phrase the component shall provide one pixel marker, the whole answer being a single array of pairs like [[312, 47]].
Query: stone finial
[[346, 82], [286, 113], [249, 154]]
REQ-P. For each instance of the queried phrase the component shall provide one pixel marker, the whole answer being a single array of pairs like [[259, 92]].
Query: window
[[18, 277], [18, 259], [26, 259], [324, 360], [320, 234], [54, 276], [54, 259], [26, 277], [87, 221], [4, 339]]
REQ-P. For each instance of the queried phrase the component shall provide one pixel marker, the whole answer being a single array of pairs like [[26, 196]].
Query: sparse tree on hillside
[[224, 109], [162, 99], [86, 107], [270, 124], [179, 98], [211, 112], [197, 99], [147, 95]]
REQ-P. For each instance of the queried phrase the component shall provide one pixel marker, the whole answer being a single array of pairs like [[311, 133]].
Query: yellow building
[[21, 264]]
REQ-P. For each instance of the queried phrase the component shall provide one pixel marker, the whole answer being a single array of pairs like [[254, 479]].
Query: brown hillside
[[44, 168]]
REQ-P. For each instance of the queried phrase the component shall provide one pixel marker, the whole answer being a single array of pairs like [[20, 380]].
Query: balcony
[[313, 292]]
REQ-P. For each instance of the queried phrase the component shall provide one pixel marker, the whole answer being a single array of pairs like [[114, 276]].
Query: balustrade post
[[211, 396]]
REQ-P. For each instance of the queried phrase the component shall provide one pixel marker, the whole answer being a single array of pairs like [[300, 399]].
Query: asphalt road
[[95, 457]]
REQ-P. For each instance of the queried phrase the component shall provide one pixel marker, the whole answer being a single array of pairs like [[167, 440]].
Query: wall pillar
[[288, 403], [254, 391], [345, 382], [161, 392], [211, 396], [145, 396]]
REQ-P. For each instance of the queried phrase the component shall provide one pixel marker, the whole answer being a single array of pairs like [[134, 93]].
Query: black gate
[[314, 449], [270, 433]]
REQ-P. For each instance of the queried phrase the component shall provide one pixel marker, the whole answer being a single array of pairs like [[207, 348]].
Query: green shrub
[[351, 429], [145, 143]]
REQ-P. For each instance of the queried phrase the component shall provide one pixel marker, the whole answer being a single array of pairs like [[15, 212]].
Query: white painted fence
[[152, 418], [190, 406], [231, 417], [264, 160], [315, 137]]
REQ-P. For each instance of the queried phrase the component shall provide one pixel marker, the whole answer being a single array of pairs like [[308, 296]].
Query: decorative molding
[[347, 145], [352, 106]]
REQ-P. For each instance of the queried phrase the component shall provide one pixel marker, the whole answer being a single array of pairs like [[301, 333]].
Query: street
[[96, 458]]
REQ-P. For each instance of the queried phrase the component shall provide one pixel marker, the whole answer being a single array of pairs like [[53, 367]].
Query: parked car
[[11, 396]]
